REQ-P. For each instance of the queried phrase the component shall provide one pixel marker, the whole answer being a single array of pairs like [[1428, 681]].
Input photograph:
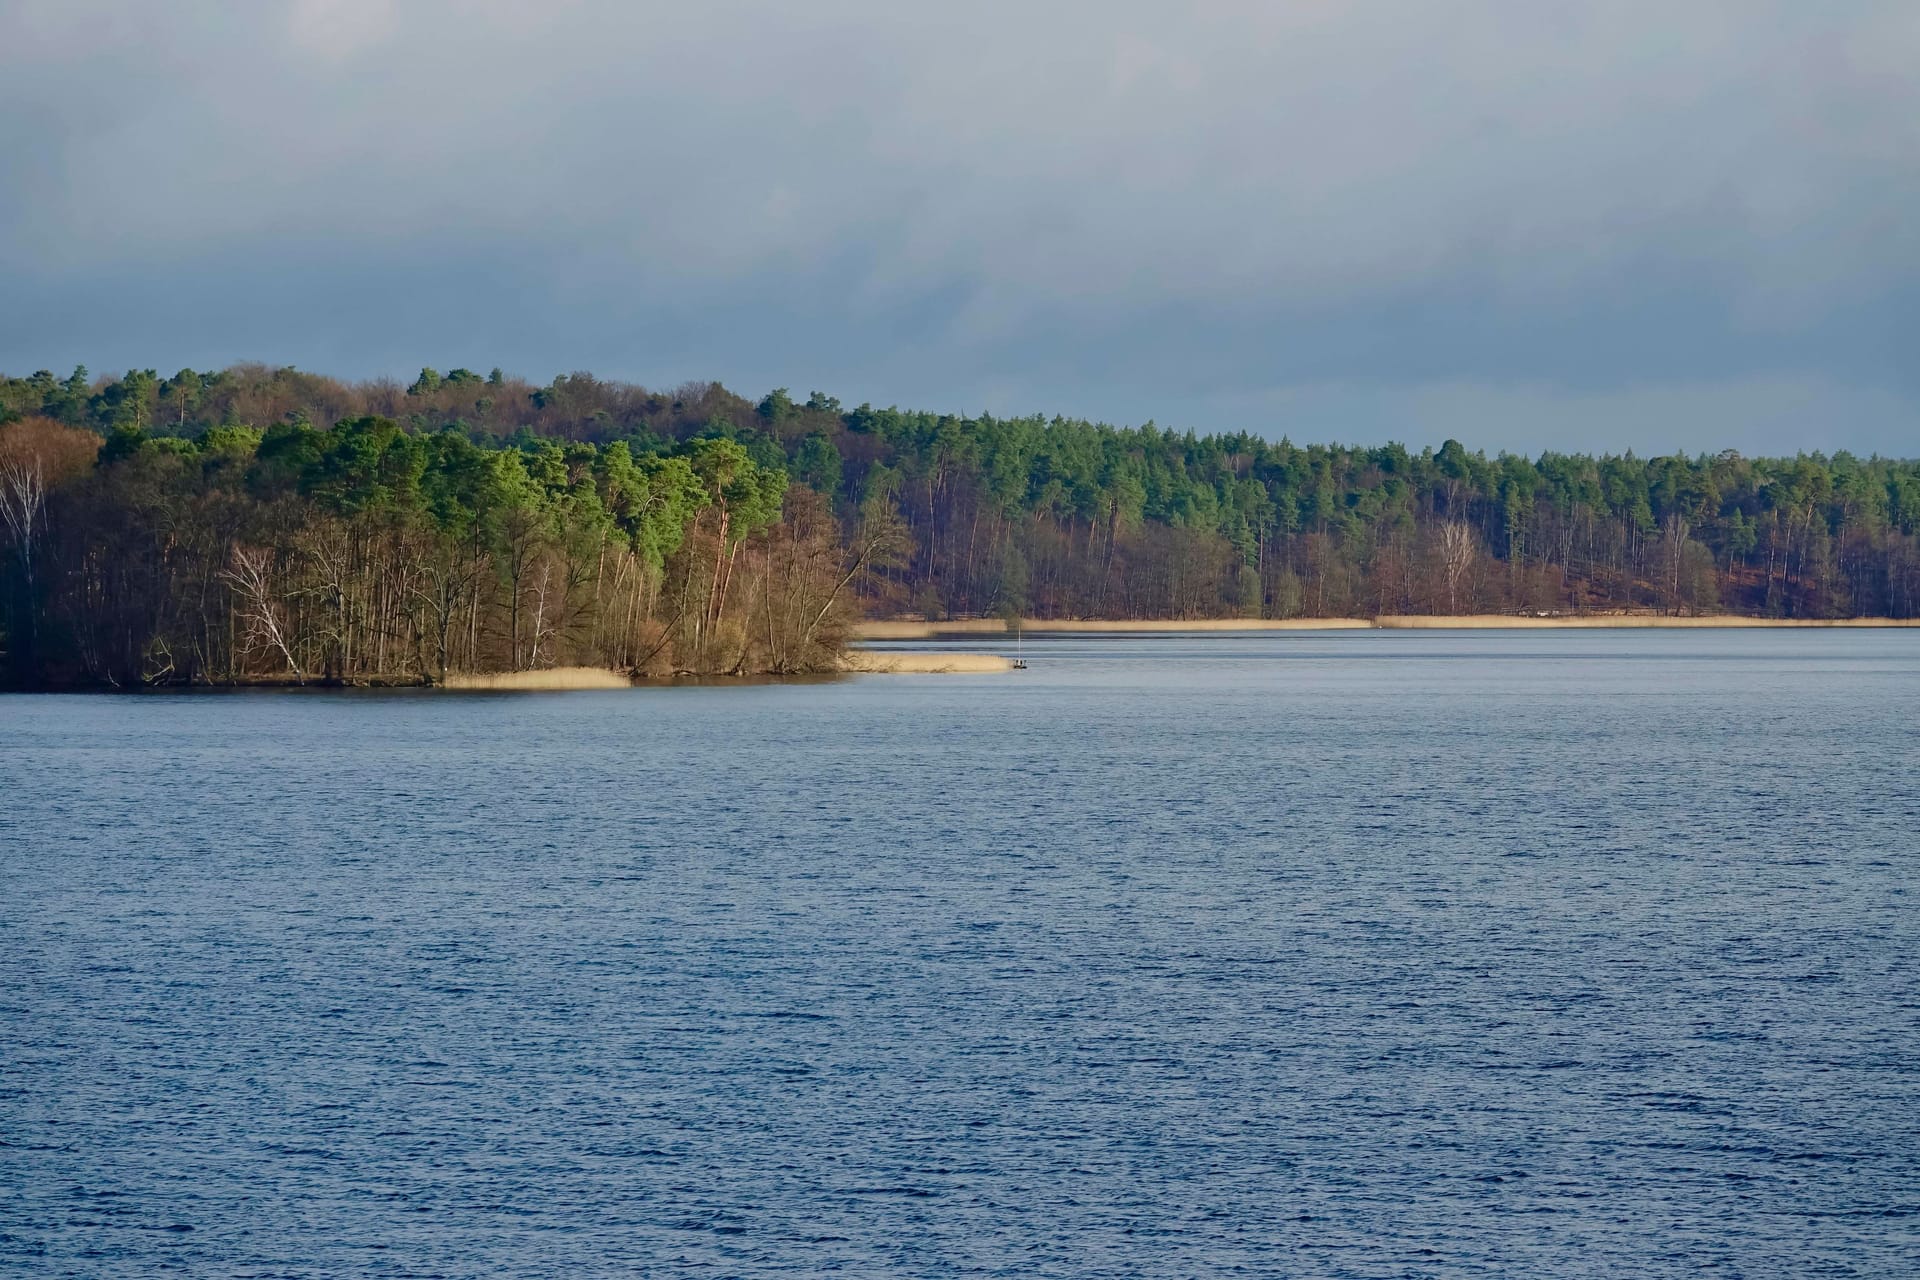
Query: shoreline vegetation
[[267, 525]]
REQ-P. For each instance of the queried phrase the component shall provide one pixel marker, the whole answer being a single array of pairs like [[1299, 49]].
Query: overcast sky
[[1524, 223]]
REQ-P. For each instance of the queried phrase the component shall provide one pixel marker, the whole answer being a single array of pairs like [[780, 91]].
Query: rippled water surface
[[1376, 954]]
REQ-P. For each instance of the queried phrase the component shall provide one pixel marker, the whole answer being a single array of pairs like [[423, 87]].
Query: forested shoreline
[[263, 524]]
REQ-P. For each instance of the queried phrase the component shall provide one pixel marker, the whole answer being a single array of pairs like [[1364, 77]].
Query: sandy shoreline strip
[[886, 630], [906, 630], [555, 678], [1503, 621], [868, 662]]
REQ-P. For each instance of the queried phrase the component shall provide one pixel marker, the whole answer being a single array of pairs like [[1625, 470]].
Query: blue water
[[1371, 955]]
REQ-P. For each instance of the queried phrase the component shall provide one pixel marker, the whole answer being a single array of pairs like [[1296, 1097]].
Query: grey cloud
[[1205, 214]]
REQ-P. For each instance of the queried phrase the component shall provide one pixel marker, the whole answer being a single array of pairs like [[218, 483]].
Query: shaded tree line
[[241, 518]]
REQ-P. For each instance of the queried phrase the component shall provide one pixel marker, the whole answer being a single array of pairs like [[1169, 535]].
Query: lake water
[[1374, 955]]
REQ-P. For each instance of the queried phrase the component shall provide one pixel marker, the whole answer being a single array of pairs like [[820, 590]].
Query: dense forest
[[270, 523]]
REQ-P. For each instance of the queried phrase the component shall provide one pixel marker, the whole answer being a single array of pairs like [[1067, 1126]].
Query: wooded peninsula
[[264, 524]]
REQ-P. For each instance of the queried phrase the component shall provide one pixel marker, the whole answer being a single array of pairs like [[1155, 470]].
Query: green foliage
[[367, 464], [817, 464], [230, 447], [1096, 519], [777, 406], [652, 500], [746, 493]]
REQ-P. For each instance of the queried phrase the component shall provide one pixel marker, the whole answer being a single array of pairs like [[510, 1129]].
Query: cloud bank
[[1527, 225]]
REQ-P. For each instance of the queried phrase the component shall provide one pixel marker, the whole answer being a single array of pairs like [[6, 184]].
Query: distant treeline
[[262, 521]]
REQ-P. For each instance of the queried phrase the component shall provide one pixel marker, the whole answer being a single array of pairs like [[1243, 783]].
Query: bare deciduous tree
[[23, 497], [1456, 557], [1675, 531], [251, 577]]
